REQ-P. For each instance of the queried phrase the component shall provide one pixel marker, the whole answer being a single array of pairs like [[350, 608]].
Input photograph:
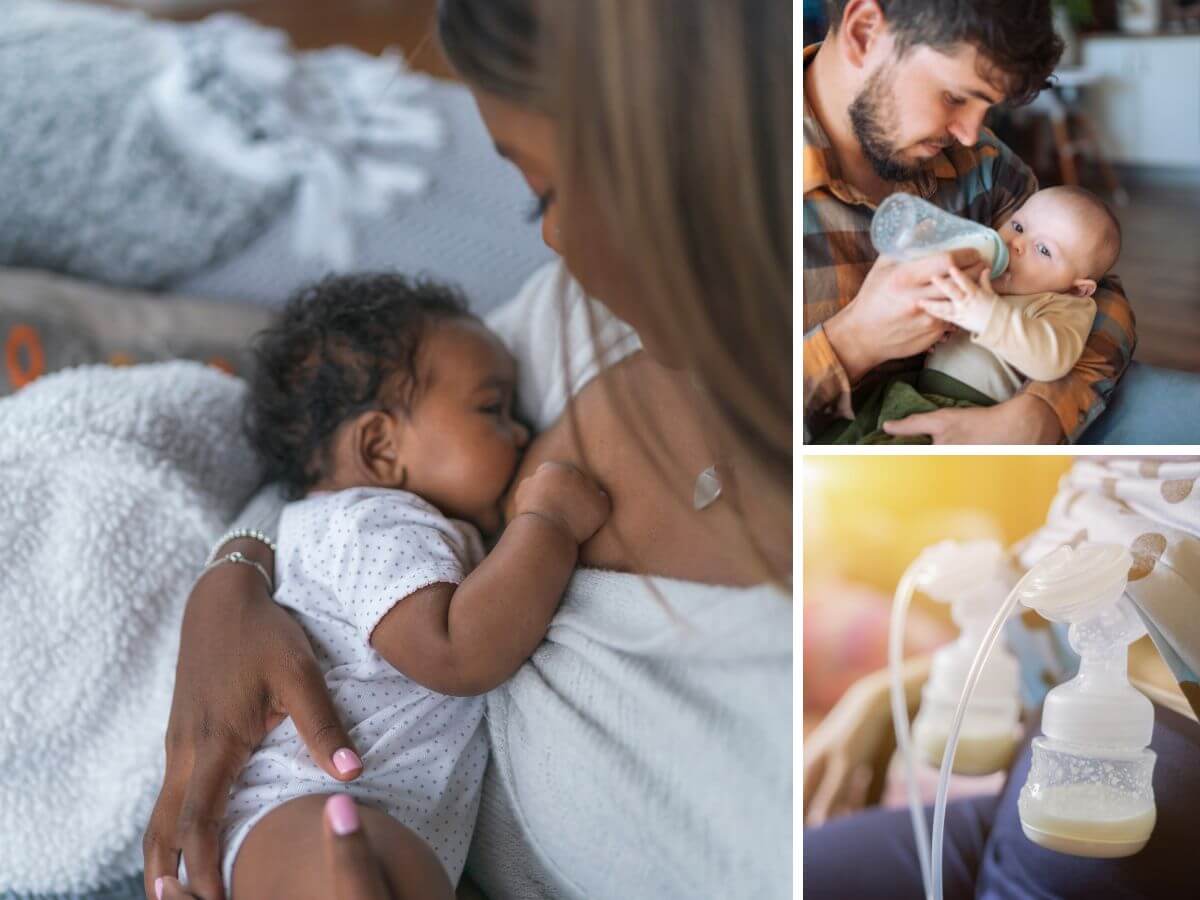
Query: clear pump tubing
[[1064, 586], [904, 592], [939, 805]]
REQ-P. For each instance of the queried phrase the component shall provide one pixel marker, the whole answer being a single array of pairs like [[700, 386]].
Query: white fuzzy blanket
[[113, 485]]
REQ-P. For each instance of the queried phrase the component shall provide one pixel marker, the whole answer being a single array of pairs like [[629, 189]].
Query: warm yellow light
[[867, 517]]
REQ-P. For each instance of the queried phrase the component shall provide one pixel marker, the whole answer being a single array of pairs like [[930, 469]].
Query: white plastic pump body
[[907, 227], [974, 578], [1089, 790]]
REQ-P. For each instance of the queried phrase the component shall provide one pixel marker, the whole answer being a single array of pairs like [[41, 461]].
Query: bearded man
[[894, 100]]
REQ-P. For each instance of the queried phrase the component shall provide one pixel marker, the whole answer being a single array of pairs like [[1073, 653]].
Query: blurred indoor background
[[866, 518], [178, 172], [369, 25]]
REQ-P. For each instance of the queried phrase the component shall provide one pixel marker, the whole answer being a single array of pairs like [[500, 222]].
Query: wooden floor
[[1160, 267]]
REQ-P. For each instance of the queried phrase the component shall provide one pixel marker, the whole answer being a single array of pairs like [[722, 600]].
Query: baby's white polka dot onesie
[[344, 560]]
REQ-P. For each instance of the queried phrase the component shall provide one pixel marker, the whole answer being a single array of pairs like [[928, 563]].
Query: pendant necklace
[[707, 489]]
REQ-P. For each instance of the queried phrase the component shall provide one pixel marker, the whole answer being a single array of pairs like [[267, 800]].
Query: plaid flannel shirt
[[985, 183]]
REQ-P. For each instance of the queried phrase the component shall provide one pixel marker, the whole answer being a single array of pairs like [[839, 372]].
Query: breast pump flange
[[974, 578], [1089, 790], [906, 227]]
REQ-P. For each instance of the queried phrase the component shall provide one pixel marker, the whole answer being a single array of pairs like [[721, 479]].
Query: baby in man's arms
[[386, 409], [1031, 323]]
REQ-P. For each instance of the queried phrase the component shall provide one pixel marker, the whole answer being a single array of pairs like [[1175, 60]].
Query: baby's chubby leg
[[287, 855]]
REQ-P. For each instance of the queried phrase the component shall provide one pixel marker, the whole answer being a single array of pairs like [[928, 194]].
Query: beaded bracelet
[[250, 533], [242, 559]]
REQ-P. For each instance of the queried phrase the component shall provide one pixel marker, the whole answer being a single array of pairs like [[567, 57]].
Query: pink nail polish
[[342, 814], [158, 887], [346, 761]]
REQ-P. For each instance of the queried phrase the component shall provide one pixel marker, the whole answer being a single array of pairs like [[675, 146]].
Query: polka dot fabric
[[344, 560], [1152, 508]]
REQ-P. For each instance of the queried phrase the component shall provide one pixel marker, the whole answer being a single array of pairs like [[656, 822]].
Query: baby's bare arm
[[468, 639]]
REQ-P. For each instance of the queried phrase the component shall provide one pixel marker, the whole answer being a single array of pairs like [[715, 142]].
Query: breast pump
[[974, 578], [907, 227], [1089, 790]]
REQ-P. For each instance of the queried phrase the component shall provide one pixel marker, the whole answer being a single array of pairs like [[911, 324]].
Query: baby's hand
[[560, 492], [968, 305]]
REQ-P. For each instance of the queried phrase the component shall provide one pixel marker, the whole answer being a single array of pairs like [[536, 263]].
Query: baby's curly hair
[[334, 351]]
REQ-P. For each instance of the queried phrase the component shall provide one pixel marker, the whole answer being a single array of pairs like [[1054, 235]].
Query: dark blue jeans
[[872, 855], [1150, 406]]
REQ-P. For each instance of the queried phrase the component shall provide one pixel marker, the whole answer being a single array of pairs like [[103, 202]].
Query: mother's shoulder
[[561, 340]]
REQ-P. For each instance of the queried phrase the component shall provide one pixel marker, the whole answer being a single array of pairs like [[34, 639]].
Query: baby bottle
[[908, 227], [1089, 791], [974, 578]]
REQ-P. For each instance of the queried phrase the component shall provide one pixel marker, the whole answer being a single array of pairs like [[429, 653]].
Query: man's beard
[[873, 117]]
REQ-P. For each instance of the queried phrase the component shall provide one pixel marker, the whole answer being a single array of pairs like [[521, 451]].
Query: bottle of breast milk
[[907, 227], [974, 578], [1089, 789]]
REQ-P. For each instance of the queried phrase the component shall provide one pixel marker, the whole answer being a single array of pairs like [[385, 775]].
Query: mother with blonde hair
[[645, 749]]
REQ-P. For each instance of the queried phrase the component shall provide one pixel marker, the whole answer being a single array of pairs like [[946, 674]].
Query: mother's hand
[[244, 665]]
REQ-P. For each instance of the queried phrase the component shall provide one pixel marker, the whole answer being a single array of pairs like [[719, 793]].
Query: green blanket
[[898, 397]]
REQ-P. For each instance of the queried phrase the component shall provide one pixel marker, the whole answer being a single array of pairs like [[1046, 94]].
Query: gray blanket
[[138, 152]]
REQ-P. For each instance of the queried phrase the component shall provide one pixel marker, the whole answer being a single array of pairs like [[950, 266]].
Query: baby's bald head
[[1062, 240], [1097, 223]]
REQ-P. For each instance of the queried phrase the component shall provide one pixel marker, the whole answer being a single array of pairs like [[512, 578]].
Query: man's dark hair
[[338, 348], [1017, 36]]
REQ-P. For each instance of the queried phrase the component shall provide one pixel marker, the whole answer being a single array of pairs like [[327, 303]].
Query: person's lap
[[902, 395], [1149, 405], [872, 854]]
